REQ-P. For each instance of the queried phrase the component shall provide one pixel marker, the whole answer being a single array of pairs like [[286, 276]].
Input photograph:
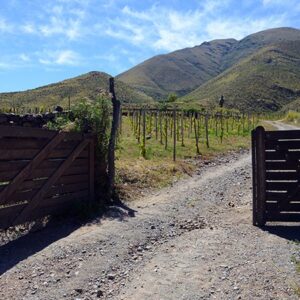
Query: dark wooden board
[[282, 175], [290, 207], [281, 186], [279, 165], [283, 135]]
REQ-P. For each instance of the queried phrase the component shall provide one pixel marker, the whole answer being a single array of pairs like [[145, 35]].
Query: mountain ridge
[[85, 86]]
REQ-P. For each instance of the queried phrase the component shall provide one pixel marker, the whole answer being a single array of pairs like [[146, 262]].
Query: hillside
[[185, 70], [178, 72], [267, 80], [89, 86]]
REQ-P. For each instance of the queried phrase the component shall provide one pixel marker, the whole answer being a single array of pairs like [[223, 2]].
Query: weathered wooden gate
[[43, 172], [276, 175]]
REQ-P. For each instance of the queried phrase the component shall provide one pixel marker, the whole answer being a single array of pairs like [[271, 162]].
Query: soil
[[192, 240]]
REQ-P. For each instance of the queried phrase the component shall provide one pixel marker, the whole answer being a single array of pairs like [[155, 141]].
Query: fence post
[[92, 169], [206, 130], [259, 176], [174, 134], [112, 140]]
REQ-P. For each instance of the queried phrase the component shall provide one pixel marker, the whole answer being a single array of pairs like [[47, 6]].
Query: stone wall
[[30, 120]]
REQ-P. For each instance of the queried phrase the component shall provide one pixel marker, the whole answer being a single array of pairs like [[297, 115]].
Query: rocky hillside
[[87, 86], [179, 72], [266, 80], [261, 70]]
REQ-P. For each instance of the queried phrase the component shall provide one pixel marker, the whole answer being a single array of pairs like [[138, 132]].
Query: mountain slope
[[179, 72], [267, 80], [89, 86], [184, 70]]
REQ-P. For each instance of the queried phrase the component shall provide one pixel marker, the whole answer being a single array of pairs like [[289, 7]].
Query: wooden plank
[[70, 197], [5, 194], [35, 201], [54, 206], [22, 143], [282, 165], [261, 176], [27, 195], [61, 189], [67, 179], [92, 170], [29, 132], [288, 144], [79, 166], [280, 175], [290, 207], [26, 132], [290, 157], [29, 154], [281, 186], [283, 217], [254, 176], [272, 196], [8, 214], [284, 134]]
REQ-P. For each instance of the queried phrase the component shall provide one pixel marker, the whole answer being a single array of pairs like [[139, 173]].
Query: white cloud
[[24, 57], [28, 28], [61, 57], [164, 29], [238, 29], [5, 26]]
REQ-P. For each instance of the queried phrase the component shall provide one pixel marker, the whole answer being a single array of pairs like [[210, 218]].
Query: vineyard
[[177, 133]]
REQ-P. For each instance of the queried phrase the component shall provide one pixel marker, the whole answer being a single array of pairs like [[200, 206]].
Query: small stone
[[111, 276], [79, 290]]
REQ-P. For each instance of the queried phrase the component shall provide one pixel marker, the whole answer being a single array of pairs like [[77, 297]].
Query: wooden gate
[[276, 175], [43, 172]]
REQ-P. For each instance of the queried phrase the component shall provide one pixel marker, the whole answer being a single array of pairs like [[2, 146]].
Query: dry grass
[[135, 173]]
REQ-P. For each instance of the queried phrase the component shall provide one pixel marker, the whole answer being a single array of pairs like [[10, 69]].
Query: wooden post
[[144, 134], [259, 176], [156, 125], [166, 131], [182, 129], [174, 135], [92, 170], [222, 128], [196, 135], [161, 126], [206, 130], [112, 140], [139, 126]]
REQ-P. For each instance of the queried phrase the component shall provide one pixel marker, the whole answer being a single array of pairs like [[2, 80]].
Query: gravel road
[[192, 240]]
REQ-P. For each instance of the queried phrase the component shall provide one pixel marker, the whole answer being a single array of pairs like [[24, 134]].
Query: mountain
[[87, 86], [178, 72], [202, 73], [266, 80]]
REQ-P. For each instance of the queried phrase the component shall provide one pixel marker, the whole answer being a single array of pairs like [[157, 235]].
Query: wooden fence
[[276, 175], [43, 172]]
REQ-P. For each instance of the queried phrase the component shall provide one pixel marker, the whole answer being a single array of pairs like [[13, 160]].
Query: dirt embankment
[[192, 240]]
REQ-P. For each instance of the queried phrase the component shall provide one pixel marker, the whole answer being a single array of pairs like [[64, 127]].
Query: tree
[[172, 98]]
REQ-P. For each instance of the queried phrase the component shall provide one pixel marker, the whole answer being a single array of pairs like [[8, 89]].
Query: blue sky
[[47, 41]]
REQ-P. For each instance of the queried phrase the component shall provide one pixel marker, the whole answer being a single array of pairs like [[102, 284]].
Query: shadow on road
[[289, 232], [17, 250], [27, 245]]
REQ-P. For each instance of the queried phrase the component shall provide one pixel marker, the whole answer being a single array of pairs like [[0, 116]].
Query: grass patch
[[157, 169], [292, 117]]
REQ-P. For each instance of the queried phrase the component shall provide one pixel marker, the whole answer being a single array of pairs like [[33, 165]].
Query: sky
[[42, 42]]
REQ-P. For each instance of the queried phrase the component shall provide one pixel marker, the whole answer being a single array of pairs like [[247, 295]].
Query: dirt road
[[193, 240]]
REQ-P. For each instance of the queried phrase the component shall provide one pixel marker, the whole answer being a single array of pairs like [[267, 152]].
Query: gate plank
[[51, 180], [30, 167]]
